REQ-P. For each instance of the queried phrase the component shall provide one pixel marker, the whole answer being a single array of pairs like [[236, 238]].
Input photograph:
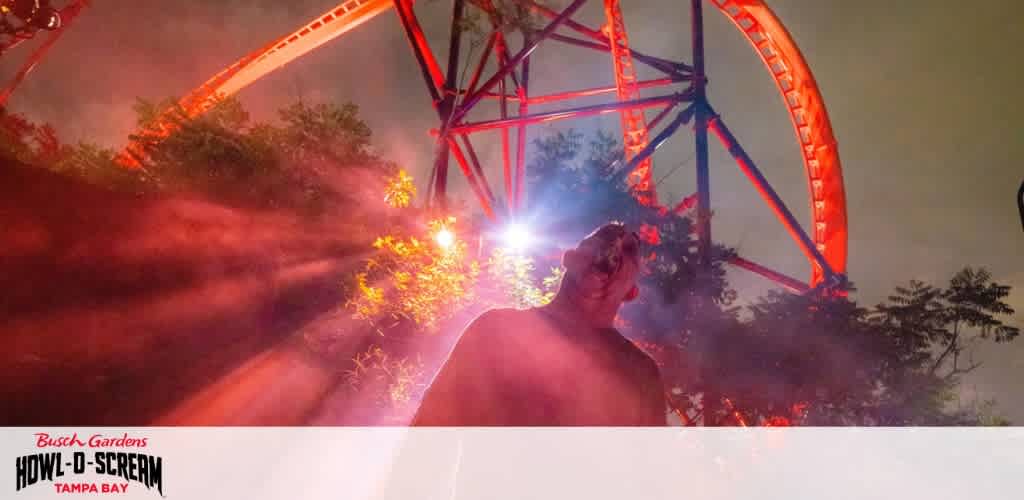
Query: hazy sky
[[923, 95]]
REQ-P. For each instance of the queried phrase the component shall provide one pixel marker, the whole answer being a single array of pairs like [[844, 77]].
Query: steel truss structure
[[684, 102], [13, 34]]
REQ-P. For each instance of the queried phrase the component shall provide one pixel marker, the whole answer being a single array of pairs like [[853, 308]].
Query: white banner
[[513, 464]]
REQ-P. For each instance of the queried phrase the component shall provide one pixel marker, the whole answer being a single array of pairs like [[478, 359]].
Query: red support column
[[511, 64], [67, 15], [791, 284], [524, 108], [424, 56], [748, 167], [471, 177]]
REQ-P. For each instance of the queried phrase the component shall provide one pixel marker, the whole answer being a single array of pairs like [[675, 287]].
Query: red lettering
[[43, 440], [98, 441], [89, 488], [114, 488]]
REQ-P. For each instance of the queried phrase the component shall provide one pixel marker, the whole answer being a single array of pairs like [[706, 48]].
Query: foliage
[[813, 359], [511, 274], [934, 333], [323, 133], [415, 282], [22, 140], [213, 154], [400, 191], [395, 382], [221, 154], [415, 279], [481, 17]]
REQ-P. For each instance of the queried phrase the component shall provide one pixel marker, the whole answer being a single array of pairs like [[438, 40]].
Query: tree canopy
[[785, 359], [300, 162]]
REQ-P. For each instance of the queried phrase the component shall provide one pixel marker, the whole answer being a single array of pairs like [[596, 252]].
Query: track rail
[[328, 26], [635, 136], [806, 108], [753, 18]]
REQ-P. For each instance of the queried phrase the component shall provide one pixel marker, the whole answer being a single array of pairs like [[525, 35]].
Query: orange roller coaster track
[[825, 244]]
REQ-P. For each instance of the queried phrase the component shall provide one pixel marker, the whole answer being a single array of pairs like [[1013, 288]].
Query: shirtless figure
[[558, 365]]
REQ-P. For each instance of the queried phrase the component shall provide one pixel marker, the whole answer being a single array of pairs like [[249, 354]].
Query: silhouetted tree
[[814, 359]]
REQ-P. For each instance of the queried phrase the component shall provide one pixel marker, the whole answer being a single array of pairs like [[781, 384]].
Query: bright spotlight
[[444, 238], [517, 237]]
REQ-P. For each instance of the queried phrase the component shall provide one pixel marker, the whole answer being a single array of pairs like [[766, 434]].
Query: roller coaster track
[[825, 245]]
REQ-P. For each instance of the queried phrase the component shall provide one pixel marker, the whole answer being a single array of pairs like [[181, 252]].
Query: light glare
[[444, 238], [517, 237]]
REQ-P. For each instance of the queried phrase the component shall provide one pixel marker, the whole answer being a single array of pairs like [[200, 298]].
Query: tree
[[214, 154], [27, 142], [299, 163], [934, 332], [324, 133], [96, 165], [317, 159], [811, 359]]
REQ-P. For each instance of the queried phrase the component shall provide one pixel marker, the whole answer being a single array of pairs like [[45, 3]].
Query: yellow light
[[445, 238]]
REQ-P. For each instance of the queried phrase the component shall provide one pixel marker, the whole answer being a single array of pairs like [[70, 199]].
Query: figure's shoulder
[[494, 321], [495, 318], [638, 357], [501, 324]]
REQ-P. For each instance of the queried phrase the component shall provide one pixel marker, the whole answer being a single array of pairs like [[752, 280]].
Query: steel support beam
[[511, 64], [701, 132], [477, 167], [596, 109], [424, 56], [471, 177], [768, 193], [682, 118], [664, 65], [577, 94], [792, 284], [524, 110]]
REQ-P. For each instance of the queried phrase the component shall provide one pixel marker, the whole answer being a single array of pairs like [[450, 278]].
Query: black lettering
[[143, 471], [79, 462], [21, 473], [111, 463], [33, 469], [101, 466], [49, 465], [122, 465], [133, 466], [155, 474]]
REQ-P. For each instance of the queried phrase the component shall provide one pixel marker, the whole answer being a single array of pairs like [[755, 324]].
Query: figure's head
[[605, 265]]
